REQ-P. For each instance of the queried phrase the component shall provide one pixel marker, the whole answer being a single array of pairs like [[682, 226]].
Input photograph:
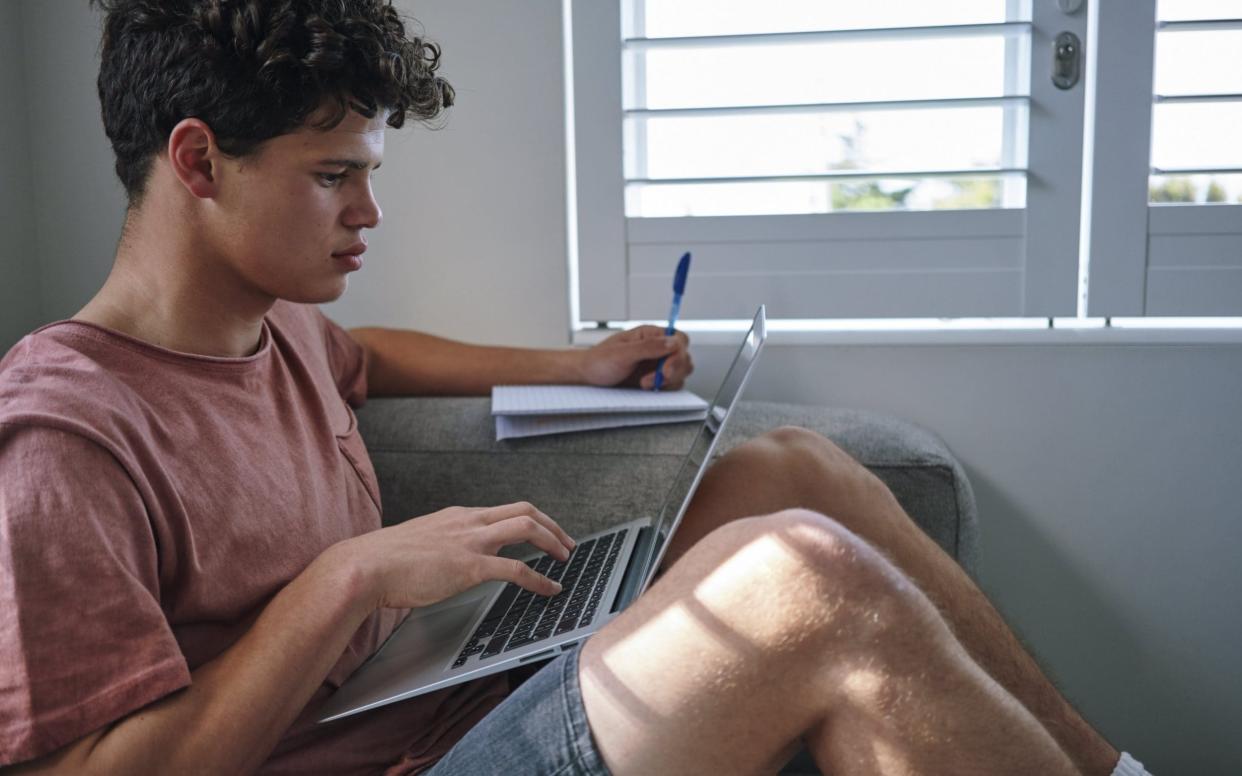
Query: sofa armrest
[[430, 453]]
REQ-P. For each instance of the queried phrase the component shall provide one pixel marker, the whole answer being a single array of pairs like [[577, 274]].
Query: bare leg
[[793, 467], [784, 627]]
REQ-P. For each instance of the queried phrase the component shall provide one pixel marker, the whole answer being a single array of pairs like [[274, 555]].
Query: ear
[[194, 157]]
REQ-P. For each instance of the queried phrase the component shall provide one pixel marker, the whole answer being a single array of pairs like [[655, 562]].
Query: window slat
[[803, 73], [1177, 98], [672, 18], [926, 225], [1200, 24], [1194, 170], [843, 175], [1010, 29], [1007, 101]]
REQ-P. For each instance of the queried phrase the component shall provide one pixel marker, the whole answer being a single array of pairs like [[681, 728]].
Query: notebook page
[[579, 399]]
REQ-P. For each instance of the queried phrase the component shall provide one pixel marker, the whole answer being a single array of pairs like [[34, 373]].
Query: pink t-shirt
[[153, 502]]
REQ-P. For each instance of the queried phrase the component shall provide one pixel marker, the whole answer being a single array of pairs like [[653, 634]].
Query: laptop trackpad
[[415, 656], [425, 633]]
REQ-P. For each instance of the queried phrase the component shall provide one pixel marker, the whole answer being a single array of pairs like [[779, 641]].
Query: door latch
[[1066, 60]]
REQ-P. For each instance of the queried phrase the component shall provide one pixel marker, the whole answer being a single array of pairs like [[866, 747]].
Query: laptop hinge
[[628, 590]]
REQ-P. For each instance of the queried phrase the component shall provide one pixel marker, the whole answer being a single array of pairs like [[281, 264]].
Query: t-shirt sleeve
[[348, 361], [83, 640]]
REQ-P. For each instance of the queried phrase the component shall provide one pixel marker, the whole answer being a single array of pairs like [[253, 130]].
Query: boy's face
[[291, 217]]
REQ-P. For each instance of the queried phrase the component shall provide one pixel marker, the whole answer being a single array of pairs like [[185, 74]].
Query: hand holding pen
[[626, 358], [679, 288]]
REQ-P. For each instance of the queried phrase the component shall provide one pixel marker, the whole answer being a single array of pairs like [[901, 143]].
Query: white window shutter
[[960, 263], [1150, 259], [600, 208]]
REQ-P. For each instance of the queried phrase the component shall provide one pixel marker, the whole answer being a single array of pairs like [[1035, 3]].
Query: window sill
[[781, 333]]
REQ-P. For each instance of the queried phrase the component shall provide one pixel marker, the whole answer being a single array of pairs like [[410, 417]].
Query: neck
[[167, 290]]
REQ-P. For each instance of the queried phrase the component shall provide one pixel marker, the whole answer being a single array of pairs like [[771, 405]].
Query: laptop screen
[[692, 467]]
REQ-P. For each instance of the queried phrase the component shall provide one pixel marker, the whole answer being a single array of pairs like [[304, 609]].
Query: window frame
[[1144, 259], [1032, 273]]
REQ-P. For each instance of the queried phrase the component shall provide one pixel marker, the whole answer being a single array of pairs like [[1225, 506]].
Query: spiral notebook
[[534, 410]]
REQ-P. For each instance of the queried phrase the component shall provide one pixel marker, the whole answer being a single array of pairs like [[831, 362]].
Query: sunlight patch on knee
[[772, 615], [762, 600], [768, 602], [673, 648]]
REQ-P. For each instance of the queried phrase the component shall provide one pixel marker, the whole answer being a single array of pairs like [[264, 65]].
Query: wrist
[[353, 574], [575, 365]]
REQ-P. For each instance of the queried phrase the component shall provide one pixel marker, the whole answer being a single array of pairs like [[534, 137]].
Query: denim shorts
[[540, 729]]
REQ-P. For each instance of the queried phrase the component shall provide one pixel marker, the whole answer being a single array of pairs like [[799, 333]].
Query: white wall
[[1105, 474], [473, 240], [19, 269]]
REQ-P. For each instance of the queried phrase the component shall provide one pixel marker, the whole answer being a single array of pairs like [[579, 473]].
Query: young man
[[192, 553]]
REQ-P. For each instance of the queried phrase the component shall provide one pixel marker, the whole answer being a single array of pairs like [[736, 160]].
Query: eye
[[330, 179]]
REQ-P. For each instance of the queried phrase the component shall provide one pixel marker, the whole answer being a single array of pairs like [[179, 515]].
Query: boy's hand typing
[[430, 558]]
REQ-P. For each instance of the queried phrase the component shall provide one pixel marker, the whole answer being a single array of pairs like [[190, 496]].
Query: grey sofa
[[430, 453]]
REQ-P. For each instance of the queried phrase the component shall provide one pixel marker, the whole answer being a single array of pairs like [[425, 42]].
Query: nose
[[365, 213]]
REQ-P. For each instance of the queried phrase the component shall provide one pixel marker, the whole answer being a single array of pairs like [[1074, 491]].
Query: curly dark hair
[[253, 70]]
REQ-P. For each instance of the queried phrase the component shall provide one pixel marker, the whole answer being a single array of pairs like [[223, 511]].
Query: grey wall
[[473, 240], [81, 204], [19, 268], [1105, 474]]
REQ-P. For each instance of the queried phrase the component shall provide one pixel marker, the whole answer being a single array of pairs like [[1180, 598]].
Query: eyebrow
[[353, 164]]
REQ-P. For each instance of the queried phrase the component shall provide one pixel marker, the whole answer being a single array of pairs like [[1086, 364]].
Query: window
[[745, 108], [905, 159], [1165, 223], [1196, 155]]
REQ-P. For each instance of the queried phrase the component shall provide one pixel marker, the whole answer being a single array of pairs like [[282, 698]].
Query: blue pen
[[679, 288]]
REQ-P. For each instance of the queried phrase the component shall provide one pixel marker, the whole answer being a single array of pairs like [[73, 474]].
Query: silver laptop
[[497, 625]]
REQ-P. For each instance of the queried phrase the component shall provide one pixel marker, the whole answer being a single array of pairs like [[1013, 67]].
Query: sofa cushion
[[431, 453]]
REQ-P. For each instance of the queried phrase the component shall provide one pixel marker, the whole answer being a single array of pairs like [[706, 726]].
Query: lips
[[357, 249]]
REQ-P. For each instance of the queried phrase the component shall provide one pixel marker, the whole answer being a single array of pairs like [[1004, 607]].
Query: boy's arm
[[233, 715], [410, 363]]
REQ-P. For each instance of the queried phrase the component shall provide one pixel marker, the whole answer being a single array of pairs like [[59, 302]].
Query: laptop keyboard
[[519, 617]]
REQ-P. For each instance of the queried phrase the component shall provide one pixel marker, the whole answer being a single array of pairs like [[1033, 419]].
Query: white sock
[[1128, 766]]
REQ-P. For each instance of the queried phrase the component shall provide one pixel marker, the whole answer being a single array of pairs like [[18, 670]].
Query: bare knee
[[851, 620], [805, 469], [824, 578], [843, 560], [744, 620], [796, 436], [808, 457], [819, 542], [797, 439], [786, 441]]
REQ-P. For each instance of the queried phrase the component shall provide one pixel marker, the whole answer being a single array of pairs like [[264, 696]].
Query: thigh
[[785, 468], [706, 671], [540, 729]]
